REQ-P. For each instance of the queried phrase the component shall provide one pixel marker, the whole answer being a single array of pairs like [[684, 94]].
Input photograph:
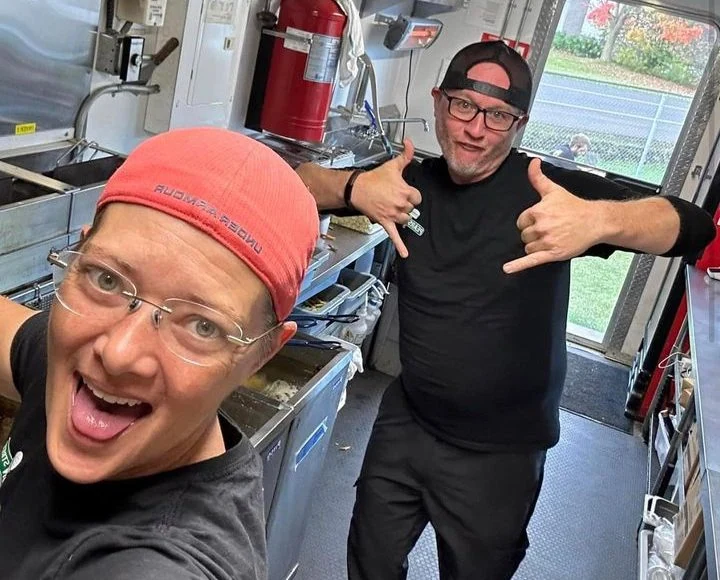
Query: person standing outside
[[579, 146]]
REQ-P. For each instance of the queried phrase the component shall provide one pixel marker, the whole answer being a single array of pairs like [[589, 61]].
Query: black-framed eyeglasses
[[494, 119]]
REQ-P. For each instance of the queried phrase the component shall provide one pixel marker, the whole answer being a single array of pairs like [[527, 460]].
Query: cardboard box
[[690, 470], [688, 524], [691, 456], [693, 442], [687, 386], [679, 528]]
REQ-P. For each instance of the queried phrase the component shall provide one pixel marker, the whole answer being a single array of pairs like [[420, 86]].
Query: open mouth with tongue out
[[101, 416]]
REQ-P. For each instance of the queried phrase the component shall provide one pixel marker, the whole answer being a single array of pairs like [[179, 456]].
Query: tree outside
[[649, 41], [641, 39]]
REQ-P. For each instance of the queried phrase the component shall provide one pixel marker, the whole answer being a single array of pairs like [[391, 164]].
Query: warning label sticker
[[323, 59]]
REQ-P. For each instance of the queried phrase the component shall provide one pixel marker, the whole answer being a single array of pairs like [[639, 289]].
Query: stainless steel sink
[[13, 190], [86, 173], [78, 164], [296, 152], [47, 194], [367, 150]]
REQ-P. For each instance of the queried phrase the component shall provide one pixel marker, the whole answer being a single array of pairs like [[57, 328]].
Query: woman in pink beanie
[[118, 465]]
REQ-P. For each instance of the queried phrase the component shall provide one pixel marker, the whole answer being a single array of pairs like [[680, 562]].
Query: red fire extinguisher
[[302, 69]]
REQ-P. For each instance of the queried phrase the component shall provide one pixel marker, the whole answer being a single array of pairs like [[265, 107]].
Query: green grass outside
[[562, 63], [594, 288]]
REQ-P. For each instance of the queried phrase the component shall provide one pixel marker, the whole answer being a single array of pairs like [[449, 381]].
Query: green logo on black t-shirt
[[8, 461], [5, 460]]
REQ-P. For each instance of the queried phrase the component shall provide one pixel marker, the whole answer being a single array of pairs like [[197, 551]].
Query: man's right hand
[[383, 195]]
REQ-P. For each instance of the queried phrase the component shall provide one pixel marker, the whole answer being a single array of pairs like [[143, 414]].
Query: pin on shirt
[[415, 227]]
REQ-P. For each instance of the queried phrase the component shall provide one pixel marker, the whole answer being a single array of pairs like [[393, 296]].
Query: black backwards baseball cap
[[496, 51]]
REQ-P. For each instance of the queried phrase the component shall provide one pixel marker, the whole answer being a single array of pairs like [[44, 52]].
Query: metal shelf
[[644, 542], [349, 245], [679, 410], [704, 318]]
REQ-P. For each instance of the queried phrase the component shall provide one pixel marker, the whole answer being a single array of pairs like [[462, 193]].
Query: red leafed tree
[[612, 17], [678, 31], [609, 16]]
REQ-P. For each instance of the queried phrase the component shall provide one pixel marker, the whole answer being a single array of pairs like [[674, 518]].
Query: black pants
[[479, 503]]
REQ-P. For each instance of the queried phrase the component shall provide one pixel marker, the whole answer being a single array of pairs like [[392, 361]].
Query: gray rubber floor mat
[[584, 525]]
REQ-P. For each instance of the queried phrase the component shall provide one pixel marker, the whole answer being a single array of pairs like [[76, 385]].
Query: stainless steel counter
[[349, 246], [704, 323]]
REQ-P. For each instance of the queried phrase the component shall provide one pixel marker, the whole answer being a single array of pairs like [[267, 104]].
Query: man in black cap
[[461, 436]]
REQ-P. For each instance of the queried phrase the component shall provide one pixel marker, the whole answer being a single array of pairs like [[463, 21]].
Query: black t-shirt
[[200, 521], [483, 352]]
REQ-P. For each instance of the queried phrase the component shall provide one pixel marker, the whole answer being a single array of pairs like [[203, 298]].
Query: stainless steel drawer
[[27, 265], [28, 222]]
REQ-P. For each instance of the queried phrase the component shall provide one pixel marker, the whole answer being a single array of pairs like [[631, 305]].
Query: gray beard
[[462, 170]]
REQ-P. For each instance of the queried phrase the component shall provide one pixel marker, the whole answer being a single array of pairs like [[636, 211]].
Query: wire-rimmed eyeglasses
[[494, 119], [198, 334]]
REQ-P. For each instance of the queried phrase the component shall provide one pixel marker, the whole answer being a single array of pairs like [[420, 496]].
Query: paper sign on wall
[[521, 47], [221, 12], [485, 15]]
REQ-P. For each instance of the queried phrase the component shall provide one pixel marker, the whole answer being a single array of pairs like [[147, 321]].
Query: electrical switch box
[[120, 55], [197, 83], [131, 58], [145, 12]]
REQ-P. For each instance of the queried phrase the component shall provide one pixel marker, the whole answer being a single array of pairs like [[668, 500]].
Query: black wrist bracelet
[[349, 187]]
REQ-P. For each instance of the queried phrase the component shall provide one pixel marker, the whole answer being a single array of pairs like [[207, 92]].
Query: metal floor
[[584, 524]]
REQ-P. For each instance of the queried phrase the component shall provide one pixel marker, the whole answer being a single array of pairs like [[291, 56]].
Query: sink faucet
[[424, 122], [140, 87], [376, 107], [82, 115]]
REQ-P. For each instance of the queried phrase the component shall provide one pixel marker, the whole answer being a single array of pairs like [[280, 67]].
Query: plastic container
[[364, 262], [356, 332], [333, 330], [358, 284], [374, 310], [333, 296], [324, 224], [318, 258]]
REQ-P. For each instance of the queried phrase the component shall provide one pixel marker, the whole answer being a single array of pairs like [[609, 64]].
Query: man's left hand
[[559, 227]]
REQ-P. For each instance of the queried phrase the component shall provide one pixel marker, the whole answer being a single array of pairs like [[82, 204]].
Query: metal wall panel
[[46, 53]]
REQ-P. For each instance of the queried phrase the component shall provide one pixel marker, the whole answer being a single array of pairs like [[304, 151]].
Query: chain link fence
[[632, 131]]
